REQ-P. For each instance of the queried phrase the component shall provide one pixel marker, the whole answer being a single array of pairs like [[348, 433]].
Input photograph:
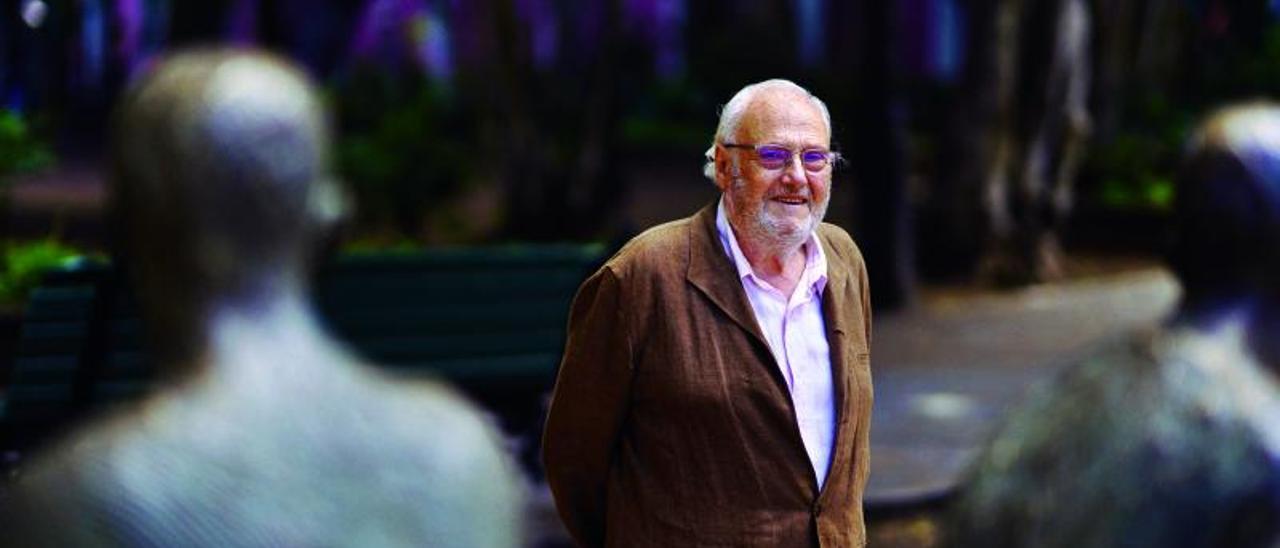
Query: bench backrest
[[490, 320]]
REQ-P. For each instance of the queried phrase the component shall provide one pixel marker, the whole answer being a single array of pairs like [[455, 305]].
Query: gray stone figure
[[266, 432], [1171, 439]]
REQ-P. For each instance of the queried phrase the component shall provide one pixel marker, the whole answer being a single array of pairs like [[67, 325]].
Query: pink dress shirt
[[797, 336]]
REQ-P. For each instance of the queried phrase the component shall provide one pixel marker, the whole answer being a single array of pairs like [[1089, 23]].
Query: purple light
[[242, 24], [129, 17], [544, 30]]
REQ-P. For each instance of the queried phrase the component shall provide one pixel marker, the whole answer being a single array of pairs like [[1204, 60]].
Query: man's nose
[[794, 169]]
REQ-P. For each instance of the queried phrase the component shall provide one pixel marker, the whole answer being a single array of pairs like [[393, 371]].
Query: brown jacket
[[671, 424]]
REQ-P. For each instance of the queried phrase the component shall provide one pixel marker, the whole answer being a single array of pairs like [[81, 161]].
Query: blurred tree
[[555, 106], [874, 118], [20, 152], [1015, 139], [951, 221], [407, 142], [1042, 123]]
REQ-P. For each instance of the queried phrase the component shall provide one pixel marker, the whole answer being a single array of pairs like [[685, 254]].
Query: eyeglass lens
[[773, 157]]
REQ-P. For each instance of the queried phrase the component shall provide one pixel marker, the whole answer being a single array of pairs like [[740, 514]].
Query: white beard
[[772, 232]]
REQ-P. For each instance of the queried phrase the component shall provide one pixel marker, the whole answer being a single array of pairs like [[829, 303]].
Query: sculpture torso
[[290, 443], [1165, 441]]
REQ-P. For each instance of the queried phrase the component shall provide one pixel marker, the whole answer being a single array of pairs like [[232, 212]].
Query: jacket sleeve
[[588, 406]]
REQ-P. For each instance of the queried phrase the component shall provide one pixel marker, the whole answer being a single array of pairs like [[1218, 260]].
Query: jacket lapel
[[834, 313], [711, 271]]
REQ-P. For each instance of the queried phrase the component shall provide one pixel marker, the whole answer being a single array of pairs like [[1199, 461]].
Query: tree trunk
[[558, 139], [883, 213], [953, 223]]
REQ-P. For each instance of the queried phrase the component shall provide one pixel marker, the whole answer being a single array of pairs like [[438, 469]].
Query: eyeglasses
[[778, 157]]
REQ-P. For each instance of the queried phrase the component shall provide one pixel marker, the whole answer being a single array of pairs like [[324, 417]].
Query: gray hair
[[731, 115]]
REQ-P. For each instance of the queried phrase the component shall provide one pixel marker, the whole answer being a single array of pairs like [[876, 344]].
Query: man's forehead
[[783, 113]]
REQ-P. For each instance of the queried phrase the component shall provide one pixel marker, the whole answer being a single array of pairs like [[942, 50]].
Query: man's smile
[[791, 200]]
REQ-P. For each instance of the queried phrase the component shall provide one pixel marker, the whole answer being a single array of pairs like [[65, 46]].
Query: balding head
[[733, 111]]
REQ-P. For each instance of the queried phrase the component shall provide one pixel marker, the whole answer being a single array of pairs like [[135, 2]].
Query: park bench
[[490, 320]]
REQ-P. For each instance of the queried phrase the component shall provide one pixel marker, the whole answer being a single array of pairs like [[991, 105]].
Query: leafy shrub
[[404, 149], [25, 263], [20, 151]]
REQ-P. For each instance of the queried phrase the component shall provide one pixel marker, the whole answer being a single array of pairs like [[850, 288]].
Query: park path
[[947, 371]]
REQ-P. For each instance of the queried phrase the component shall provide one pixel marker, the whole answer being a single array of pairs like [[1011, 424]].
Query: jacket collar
[[714, 273]]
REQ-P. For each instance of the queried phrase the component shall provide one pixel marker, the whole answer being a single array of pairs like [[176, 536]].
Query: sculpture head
[[1227, 206], [220, 189], [221, 174]]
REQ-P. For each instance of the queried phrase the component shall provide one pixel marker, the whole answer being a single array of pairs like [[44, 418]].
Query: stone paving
[[946, 371]]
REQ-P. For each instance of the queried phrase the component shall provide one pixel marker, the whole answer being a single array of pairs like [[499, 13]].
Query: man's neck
[[781, 266]]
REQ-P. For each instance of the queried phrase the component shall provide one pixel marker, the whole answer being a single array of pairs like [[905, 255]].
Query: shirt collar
[[815, 259]]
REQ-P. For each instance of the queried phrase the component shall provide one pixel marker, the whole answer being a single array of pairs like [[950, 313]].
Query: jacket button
[[817, 508]]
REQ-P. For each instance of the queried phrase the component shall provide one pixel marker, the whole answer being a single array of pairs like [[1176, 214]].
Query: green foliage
[[669, 115], [1153, 193], [380, 246], [25, 263], [20, 151], [402, 149], [1263, 69], [1137, 167], [663, 133]]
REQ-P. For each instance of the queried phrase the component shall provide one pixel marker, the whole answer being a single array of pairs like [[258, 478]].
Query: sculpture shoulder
[[407, 461], [424, 403], [433, 423], [1124, 434]]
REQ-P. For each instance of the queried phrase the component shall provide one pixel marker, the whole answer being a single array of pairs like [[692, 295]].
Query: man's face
[[777, 207]]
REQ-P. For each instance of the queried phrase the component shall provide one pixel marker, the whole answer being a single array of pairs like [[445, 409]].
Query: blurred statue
[[1172, 439], [266, 432]]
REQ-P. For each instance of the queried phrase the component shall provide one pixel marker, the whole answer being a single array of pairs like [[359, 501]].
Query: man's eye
[[814, 157], [773, 154]]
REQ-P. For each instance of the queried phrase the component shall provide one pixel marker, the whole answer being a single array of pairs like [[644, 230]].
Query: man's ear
[[724, 169]]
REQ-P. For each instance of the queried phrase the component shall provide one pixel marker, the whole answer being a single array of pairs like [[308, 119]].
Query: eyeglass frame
[[833, 157]]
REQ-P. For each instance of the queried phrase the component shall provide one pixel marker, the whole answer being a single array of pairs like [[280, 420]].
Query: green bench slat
[[44, 396], [39, 369], [126, 363], [437, 347], [475, 287], [52, 338], [517, 369], [59, 303], [491, 320], [496, 318], [467, 257], [115, 392]]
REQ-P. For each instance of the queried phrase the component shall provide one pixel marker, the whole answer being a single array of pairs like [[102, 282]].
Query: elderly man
[[268, 433], [1172, 438], [715, 389]]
